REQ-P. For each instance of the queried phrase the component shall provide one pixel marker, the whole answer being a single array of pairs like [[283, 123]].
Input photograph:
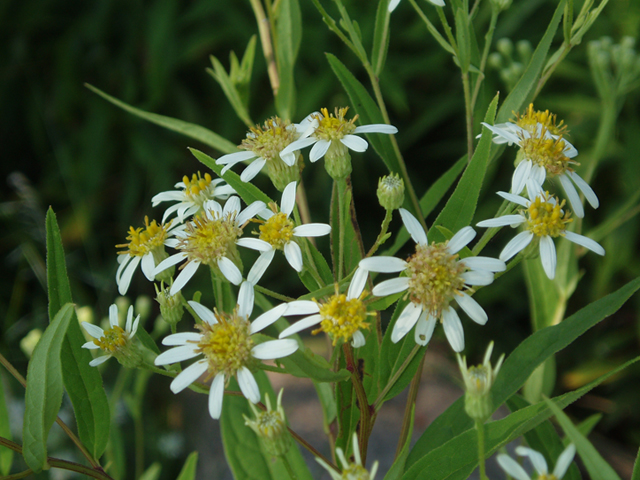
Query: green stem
[[267, 46], [447, 28], [363, 402], [273, 294], [342, 186], [481, 454], [287, 466], [488, 38], [408, 409], [468, 114], [383, 232], [378, 403], [605, 132], [565, 49]]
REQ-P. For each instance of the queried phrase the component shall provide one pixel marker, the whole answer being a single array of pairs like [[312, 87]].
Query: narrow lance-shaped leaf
[[188, 471], [289, 36], [44, 390], [82, 382], [6, 454]]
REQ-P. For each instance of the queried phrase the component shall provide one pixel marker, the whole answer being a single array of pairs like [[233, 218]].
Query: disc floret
[[545, 217], [277, 230], [342, 317], [209, 238], [532, 119]]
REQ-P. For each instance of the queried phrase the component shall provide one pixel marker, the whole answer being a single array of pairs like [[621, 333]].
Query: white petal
[[513, 468], [312, 230], [129, 323], [572, 195], [93, 330], [232, 158], [564, 461], [539, 463], [437, 3], [122, 264], [288, 199], [289, 158], [484, 263], [254, 244], [358, 340], [183, 338], [215, 210], [114, 321], [248, 385], [424, 329], [275, 349], [391, 286], [125, 279], [245, 299], [503, 221], [548, 256], [260, 266], [302, 307], [413, 227], [297, 145], [232, 206], [406, 321], [357, 284], [477, 277], [355, 143], [230, 271], [293, 254], [515, 245], [520, 176], [99, 360], [377, 127], [538, 175], [461, 239], [177, 354], [252, 170], [188, 376], [301, 325], [585, 242], [185, 275], [472, 308], [502, 134], [584, 187], [383, 264], [250, 212], [453, 329], [216, 395], [515, 199], [134, 329], [392, 5], [268, 318], [318, 150], [148, 266], [169, 262], [90, 345], [205, 314]]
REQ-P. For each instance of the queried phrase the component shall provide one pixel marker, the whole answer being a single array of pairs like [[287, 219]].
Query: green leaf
[[289, 36], [303, 363], [593, 462], [244, 452], [519, 366], [44, 390], [187, 129], [460, 208], [457, 458], [6, 454], [352, 242], [82, 382], [397, 469], [380, 37], [220, 75], [188, 471], [152, 473], [247, 191], [636, 468], [147, 341], [524, 90], [463, 40]]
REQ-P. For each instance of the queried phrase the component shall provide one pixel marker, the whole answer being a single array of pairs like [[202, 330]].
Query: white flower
[[545, 219], [513, 468], [278, 232], [193, 194], [114, 341], [342, 317], [227, 348], [350, 471], [210, 239], [394, 3], [146, 248], [434, 276], [326, 130]]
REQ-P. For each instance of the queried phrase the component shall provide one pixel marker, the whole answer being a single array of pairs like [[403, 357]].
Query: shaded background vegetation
[[98, 167]]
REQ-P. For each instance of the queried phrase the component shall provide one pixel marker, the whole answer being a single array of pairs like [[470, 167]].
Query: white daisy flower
[[342, 317], [546, 155], [394, 3], [514, 469], [434, 275], [211, 239], [544, 219], [114, 341], [350, 470], [278, 232], [227, 348], [146, 248], [193, 194], [332, 135]]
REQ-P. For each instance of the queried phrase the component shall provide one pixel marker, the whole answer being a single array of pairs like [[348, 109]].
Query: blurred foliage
[[99, 167]]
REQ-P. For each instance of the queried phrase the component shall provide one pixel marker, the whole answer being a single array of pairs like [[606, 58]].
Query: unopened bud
[[171, 306], [500, 5], [505, 47], [271, 427], [391, 192]]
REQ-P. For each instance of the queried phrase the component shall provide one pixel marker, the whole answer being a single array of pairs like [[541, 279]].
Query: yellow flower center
[[114, 339], [434, 277], [546, 152], [479, 379], [268, 140], [227, 344], [144, 240], [334, 126], [270, 423], [277, 231], [355, 472], [208, 239], [545, 218], [549, 476], [342, 317], [531, 118]]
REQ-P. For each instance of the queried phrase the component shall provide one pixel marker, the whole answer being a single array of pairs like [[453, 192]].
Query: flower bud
[[500, 5], [271, 427], [391, 192], [505, 47], [171, 306]]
